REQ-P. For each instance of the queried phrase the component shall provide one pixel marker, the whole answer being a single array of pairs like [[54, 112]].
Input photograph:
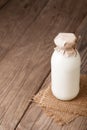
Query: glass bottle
[[65, 67]]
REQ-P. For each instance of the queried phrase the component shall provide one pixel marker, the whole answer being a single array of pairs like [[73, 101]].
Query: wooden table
[[27, 30]]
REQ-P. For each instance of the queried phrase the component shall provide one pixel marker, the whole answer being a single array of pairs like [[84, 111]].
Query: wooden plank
[[18, 74], [15, 17], [2, 3], [39, 121], [37, 115], [82, 47], [10, 34], [35, 118]]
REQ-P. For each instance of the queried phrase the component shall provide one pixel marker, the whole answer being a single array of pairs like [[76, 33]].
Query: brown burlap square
[[64, 111]]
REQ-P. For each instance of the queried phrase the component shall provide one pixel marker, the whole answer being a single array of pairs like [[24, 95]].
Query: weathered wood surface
[[27, 29], [3, 2]]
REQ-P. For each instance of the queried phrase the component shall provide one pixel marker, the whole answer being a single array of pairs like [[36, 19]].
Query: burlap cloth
[[64, 112]]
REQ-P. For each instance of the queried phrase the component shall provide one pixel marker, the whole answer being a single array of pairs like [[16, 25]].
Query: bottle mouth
[[65, 39]]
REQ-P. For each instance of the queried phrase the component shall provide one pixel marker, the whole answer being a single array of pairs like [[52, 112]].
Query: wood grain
[[3, 3], [27, 30], [35, 118], [15, 18], [82, 46]]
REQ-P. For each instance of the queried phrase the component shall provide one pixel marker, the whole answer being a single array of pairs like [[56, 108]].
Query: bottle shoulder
[[58, 57]]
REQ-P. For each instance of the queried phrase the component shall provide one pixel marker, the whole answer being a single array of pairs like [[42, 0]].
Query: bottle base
[[64, 98]]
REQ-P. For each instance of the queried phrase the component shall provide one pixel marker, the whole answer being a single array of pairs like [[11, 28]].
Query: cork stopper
[[66, 43]]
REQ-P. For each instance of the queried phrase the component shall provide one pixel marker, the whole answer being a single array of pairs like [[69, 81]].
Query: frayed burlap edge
[[59, 116]]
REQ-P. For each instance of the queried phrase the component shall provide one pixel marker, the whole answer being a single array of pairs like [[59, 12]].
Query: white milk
[[65, 72]]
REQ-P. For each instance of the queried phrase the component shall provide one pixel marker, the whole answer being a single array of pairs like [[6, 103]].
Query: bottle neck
[[68, 51]]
